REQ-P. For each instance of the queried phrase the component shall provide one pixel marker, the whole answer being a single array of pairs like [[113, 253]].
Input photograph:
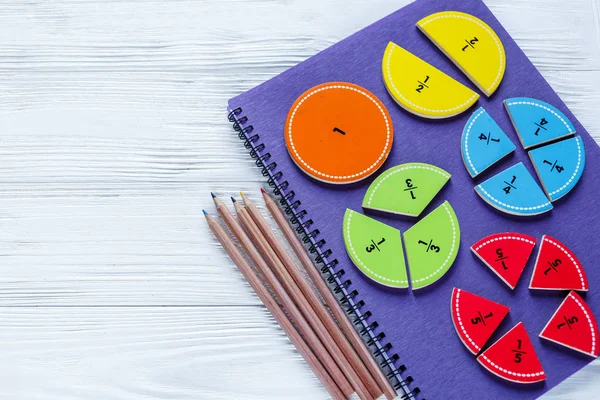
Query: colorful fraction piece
[[514, 191], [506, 254], [559, 166], [475, 318], [338, 132], [471, 44], [513, 357], [557, 268], [432, 245], [537, 122], [376, 249], [574, 326], [483, 143], [405, 189], [422, 89]]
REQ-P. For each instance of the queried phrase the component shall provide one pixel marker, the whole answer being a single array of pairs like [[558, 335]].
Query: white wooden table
[[112, 134]]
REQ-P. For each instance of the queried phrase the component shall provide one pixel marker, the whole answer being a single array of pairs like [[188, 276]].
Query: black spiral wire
[[316, 247]]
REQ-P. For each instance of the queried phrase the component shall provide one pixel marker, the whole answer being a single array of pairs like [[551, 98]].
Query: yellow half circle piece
[[471, 44], [422, 89]]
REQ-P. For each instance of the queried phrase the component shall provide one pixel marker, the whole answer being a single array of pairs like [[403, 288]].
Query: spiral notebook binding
[[321, 255]]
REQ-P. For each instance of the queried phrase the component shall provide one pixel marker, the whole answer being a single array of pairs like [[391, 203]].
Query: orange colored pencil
[[309, 313], [297, 317], [312, 299], [271, 305], [328, 297]]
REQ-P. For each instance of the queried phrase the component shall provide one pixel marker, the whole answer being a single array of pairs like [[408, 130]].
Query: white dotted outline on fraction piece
[[589, 320], [531, 103], [563, 187], [359, 259], [474, 118], [328, 87], [570, 258], [461, 324], [437, 271], [440, 111], [504, 238], [499, 368], [508, 205], [489, 32], [383, 177]]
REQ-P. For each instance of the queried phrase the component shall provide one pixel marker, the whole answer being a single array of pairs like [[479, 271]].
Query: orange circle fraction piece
[[338, 132]]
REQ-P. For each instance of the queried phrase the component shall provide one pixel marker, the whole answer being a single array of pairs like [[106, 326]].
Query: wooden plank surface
[[113, 131]]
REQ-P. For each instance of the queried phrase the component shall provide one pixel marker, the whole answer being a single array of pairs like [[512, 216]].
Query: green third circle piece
[[432, 245], [406, 189], [376, 249]]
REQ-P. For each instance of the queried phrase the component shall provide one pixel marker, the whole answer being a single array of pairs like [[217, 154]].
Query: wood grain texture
[[112, 134], [149, 353]]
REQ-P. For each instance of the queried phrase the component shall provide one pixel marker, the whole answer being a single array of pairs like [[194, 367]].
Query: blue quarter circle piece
[[559, 166], [514, 191], [537, 122], [483, 143]]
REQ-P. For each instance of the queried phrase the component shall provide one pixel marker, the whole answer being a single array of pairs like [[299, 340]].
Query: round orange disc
[[338, 132]]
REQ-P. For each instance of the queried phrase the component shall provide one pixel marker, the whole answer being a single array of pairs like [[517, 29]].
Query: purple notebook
[[417, 324]]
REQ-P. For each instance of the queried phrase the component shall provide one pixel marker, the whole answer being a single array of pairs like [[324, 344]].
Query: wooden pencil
[[328, 296], [271, 305], [299, 320], [312, 299], [305, 308]]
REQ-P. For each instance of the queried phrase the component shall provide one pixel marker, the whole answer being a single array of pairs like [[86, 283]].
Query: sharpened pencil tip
[[262, 190], [233, 199], [241, 193], [204, 212], [213, 195]]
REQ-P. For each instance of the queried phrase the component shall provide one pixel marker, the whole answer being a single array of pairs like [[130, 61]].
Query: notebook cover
[[418, 324]]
